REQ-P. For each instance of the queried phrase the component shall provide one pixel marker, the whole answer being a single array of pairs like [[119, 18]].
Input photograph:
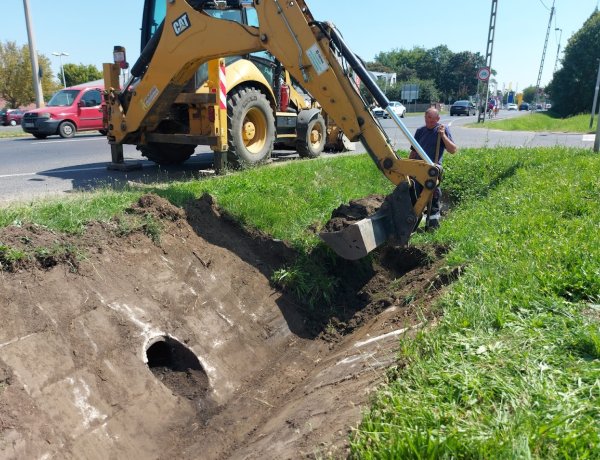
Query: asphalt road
[[33, 168]]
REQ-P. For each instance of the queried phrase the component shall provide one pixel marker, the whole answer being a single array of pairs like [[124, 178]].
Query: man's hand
[[449, 144]]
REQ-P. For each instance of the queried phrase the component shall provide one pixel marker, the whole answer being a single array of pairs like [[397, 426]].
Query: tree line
[[16, 78], [445, 76], [442, 75], [573, 85]]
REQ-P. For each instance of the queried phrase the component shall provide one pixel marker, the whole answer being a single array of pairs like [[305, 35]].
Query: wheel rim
[[254, 130], [67, 130], [316, 135]]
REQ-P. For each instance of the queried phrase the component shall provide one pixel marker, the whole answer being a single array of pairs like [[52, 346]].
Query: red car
[[70, 110], [11, 117]]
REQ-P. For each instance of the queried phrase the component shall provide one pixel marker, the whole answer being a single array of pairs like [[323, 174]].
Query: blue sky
[[88, 30]]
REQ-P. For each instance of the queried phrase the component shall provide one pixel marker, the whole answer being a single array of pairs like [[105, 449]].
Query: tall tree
[[529, 94], [16, 82], [572, 87], [460, 76], [418, 62], [76, 74], [440, 56]]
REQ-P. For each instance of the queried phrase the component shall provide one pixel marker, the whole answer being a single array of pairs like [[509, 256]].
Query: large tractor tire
[[166, 154], [312, 143], [251, 128]]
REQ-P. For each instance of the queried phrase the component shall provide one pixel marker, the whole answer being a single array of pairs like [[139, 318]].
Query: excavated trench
[[116, 345]]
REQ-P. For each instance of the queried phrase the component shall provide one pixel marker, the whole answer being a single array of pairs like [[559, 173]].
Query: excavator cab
[[157, 110]]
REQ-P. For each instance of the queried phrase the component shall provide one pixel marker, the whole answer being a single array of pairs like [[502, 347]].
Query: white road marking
[[95, 168], [67, 140]]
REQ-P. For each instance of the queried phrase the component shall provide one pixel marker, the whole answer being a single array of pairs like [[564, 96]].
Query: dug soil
[[160, 335]]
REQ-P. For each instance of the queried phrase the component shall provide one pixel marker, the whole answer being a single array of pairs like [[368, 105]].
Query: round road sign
[[483, 74]]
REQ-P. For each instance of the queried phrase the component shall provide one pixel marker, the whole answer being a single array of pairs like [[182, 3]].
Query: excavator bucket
[[358, 239], [394, 221]]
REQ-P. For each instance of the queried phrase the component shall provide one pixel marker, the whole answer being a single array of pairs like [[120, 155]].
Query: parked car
[[397, 107], [512, 106], [462, 108], [11, 117], [524, 106], [73, 109]]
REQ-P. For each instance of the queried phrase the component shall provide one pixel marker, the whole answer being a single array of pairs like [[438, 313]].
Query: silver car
[[397, 107]]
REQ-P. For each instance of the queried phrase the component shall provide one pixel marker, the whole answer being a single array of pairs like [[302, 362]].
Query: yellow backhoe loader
[[283, 115], [160, 110]]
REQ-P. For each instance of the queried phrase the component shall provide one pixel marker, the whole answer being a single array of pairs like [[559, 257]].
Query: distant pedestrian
[[491, 108], [434, 138]]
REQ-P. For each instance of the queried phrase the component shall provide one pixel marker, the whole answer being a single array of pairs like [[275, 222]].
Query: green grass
[[12, 133], [543, 121], [69, 215], [9, 256], [513, 368], [286, 200]]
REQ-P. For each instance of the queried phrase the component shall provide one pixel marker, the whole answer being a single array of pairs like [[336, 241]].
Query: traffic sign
[[483, 74]]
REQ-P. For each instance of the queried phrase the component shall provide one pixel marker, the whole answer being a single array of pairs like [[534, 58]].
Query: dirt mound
[[354, 211], [159, 335]]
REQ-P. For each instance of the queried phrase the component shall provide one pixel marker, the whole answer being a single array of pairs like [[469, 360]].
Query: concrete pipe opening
[[178, 368]]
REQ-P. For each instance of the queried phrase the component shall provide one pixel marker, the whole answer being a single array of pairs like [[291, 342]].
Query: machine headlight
[[44, 115]]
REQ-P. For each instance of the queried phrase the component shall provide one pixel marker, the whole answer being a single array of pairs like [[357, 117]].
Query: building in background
[[388, 79]]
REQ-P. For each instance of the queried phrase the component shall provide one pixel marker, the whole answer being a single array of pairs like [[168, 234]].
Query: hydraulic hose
[[366, 79], [139, 68]]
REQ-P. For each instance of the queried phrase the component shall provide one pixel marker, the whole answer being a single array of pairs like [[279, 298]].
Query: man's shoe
[[433, 224]]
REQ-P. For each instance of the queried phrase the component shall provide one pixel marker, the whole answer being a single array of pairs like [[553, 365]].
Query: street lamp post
[[35, 68], [558, 49], [62, 69]]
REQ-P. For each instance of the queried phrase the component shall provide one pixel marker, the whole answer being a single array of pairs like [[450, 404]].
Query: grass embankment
[[544, 121], [513, 368]]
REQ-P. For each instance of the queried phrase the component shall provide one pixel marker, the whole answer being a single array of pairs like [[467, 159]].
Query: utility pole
[[597, 140], [595, 98], [488, 62], [35, 70], [537, 86]]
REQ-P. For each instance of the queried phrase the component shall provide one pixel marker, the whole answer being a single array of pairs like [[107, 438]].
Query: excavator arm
[[315, 54]]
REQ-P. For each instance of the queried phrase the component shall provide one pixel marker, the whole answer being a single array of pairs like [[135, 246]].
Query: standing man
[[434, 138]]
